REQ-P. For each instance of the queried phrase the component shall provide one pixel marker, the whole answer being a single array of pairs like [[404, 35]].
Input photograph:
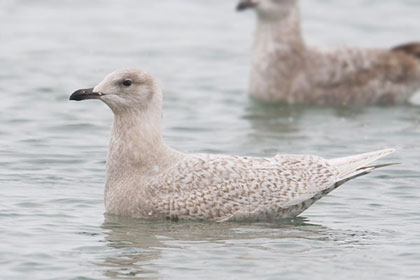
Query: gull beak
[[83, 94], [246, 4]]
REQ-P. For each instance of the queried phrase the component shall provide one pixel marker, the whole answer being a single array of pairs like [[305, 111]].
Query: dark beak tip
[[240, 7], [244, 6], [74, 97], [83, 94]]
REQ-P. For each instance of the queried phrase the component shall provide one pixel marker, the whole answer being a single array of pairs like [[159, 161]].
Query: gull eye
[[127, 83]]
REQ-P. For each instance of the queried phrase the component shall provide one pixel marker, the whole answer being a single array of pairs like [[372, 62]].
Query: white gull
[[286, 70], [148, 179]]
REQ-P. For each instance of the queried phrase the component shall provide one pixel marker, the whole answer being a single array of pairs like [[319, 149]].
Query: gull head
[[268, 9], [125, 90]]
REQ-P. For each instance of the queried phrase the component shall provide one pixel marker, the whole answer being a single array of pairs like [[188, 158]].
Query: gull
[[146, 178], [286, 70]]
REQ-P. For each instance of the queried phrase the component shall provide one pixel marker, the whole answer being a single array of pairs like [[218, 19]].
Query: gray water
[[52, 151]]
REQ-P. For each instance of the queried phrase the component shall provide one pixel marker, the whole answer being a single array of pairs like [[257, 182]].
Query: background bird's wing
[[412, 49], [359, 75]]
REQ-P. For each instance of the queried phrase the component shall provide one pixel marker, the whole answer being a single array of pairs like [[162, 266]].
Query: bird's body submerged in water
[[286, 70], [148, 179]]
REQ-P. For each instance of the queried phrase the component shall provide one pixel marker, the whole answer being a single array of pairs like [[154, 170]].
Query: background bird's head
[[269, 9]]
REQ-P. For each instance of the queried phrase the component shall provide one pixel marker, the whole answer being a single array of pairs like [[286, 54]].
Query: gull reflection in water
[[155, 249]]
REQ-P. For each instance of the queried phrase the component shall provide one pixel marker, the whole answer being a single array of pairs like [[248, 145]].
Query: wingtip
[[373, 167], [412, 49], [389, 151], [353, 165], [380, 154]]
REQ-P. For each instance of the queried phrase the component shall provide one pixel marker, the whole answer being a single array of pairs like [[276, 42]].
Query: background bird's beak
[[86, 93], [246, 4]]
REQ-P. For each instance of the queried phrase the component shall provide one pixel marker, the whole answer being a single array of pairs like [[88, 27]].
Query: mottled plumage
[[148, 179], [286, 70]]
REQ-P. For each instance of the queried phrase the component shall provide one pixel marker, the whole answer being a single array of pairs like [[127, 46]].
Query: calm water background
[[52, 151]]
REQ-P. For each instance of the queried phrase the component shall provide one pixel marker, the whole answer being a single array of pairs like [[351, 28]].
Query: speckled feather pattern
[[218, 187], [225, 188], [286, 70]]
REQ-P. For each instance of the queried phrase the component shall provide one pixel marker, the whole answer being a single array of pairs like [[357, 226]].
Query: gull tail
[[349, 168], [410, 49], [354, 166]]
